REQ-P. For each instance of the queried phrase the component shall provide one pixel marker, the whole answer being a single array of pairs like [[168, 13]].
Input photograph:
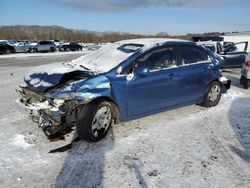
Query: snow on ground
[[186, 147]]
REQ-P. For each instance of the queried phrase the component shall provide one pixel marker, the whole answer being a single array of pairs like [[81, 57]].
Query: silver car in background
[[22, 47], [44, 46]]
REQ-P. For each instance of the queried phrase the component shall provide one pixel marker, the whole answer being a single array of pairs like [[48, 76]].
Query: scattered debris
[[153, 173], [213, 157], [65, 147]]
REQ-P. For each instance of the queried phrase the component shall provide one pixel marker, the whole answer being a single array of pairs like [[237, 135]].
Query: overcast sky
[[135, 16]]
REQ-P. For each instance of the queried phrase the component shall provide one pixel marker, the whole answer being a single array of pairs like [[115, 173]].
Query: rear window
[[129, 48], [192, 54], [45, 42]]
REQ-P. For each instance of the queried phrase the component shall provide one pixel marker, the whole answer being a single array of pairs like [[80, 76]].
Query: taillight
[[247, 63]]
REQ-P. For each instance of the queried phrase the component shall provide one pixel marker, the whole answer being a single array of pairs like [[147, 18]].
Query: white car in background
[[45, 46]]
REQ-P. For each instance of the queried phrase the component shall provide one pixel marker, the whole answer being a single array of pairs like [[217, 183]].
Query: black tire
[[245, 82], [52, 49], [34, 50], [7, 51], [213, 94], [30, 50], [87, 120], [67, 49], [242, 80]]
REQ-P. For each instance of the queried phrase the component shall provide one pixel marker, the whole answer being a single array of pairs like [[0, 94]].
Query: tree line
[[36, 33]]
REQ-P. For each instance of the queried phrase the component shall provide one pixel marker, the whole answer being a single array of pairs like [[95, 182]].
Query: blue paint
[[154, 92]]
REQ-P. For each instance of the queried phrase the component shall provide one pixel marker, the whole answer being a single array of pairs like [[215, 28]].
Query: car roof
[[152, 41], [207, 42]]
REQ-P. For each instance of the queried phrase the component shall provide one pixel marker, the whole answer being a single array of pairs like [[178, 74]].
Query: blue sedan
[[121, 81]]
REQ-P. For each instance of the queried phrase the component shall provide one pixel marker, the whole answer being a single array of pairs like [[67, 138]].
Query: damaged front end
[[54, 116], [55, 113]]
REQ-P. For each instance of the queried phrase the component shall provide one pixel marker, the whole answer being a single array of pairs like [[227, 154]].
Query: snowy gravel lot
[[187, 147]]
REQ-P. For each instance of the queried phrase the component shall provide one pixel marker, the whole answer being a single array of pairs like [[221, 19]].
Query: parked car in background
[[73, 46], [120, 82], [6, 48], [234, 54], [245, 71], [44, 46], [3, 41], [23, 47], [33, 43], [11, 42], [56, 42]]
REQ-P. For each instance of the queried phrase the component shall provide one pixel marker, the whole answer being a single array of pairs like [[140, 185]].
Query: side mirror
[[141, 71], [119, 70]]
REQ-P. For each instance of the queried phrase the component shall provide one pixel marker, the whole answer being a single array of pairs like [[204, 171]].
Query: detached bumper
[[225, 83]]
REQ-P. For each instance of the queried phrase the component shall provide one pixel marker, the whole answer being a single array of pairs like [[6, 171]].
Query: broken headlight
[[58, 102]]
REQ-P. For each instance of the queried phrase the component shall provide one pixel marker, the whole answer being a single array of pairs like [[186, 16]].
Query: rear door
[[159, 88], [195, 73], [41, 45]]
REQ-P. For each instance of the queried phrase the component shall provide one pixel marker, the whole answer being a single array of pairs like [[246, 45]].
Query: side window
[[160, 59], [191, 54]]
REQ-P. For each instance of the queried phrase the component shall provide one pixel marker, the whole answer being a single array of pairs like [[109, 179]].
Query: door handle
[[205, 69], [173, 76]]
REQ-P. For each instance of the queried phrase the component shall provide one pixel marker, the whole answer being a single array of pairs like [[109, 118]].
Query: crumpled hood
[[48, 76]]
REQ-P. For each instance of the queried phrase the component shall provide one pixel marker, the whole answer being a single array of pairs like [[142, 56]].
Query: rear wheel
[[212, 95], [7, 51], [95, 121]]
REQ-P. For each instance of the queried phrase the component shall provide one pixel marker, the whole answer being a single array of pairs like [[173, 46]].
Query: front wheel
[[52, 49], [95, 121], [212, 95], [34, 50]]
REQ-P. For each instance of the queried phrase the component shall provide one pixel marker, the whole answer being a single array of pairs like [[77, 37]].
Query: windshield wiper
[[87, 69]]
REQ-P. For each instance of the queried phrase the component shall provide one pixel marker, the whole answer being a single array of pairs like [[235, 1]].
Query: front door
[[156, 89]]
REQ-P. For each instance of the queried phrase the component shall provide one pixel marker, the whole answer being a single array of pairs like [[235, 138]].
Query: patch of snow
[[232, 94], [50, 69], [19, 140], [223, 79], [43, 84], [103, 59], [35, 81]]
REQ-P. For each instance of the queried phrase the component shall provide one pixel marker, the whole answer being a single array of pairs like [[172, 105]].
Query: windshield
[[107, 57]]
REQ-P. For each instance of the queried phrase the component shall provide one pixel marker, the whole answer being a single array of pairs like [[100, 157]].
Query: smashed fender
[[83, 91]]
